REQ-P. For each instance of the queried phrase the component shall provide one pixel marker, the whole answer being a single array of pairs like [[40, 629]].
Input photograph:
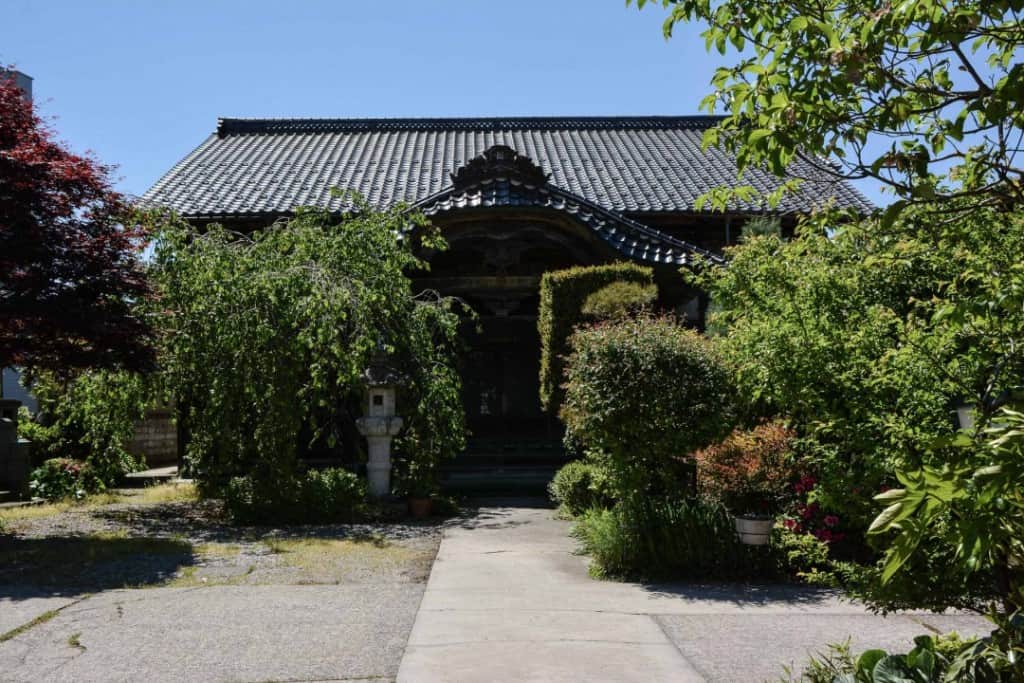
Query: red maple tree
[[70, 275]]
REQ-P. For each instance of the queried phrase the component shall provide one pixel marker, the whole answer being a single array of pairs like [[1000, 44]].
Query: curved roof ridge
[[241, 126], [666, 248]]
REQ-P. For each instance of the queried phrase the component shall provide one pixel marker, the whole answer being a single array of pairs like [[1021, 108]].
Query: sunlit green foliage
[[266, 333], [926, 97]]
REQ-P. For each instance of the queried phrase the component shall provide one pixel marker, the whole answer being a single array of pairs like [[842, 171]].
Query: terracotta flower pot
[[419, 508], [754, 530]]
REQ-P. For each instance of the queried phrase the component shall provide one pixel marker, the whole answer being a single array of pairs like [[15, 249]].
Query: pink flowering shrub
[[808, 517]]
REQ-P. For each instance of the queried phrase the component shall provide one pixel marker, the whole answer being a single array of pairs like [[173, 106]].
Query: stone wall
[[156, 438]]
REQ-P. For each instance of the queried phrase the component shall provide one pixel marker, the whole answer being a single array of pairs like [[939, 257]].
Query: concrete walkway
[[509, 600]]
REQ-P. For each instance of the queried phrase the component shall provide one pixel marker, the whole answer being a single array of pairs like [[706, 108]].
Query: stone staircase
[[503, 466]]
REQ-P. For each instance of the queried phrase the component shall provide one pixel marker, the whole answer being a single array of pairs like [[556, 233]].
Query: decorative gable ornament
[[499, 161]]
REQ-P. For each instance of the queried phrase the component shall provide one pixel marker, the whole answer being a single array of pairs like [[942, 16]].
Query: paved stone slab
[[507, 600], [220, 633], [510, 600], [756, 647]]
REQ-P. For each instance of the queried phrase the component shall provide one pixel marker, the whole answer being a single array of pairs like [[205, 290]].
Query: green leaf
[[868, 660], [891, 669], [885, 520]]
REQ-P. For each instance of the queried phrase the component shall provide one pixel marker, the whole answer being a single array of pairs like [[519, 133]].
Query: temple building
[[514, 197]]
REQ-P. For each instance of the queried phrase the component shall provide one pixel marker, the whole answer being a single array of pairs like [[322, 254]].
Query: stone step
[[497, 480], [158, 475]]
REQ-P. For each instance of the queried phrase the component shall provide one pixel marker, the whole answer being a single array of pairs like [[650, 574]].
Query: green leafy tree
[[265, 338], [925, 97], [867, 338], [90, 418], [974, 503]]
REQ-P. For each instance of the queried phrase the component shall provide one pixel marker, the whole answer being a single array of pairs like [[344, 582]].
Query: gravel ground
[[191, 543], [171, 591]]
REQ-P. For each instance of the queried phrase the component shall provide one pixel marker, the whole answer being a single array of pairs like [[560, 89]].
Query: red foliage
[[749, 470], [69, 268]]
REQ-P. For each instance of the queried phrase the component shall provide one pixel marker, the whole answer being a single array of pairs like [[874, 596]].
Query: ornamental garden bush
[[751, 471], [618, 300], [563, 293], [61, 478], [658, 538], [580, 486], [641, 394], [88, 418]]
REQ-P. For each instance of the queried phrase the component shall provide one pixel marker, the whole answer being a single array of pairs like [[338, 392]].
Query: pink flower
[[831, 520], [824, 535]]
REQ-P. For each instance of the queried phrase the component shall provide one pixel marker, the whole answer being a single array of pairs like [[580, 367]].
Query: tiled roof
[[621, 164]]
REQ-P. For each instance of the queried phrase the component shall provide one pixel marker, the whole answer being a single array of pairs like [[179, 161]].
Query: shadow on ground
[[741, 594], [65, 566], [496, 513]]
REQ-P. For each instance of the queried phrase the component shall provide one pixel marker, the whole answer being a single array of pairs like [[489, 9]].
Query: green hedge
[[562, 295], [317, 497]]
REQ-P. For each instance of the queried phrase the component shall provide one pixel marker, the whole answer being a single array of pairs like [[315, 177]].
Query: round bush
[[645, 393], [580, 486]]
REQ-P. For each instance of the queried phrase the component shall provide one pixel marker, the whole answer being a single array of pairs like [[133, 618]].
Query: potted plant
[[749, 473], [420, 492], [754, 528]]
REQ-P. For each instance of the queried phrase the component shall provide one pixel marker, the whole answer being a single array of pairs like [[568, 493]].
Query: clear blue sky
[[141, 83]]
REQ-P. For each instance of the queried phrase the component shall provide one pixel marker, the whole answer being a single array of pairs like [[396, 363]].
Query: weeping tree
[[264, 338]]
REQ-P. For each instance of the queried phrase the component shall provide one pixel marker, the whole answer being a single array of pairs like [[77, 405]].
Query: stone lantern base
[[378, 432]]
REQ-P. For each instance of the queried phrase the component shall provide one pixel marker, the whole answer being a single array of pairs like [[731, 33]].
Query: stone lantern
[[380, 424]]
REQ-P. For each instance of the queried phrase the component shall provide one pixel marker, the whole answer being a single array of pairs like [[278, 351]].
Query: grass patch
[[151, 495], [218, 550], [162, 493], [321, 556], [41, 619], [29, 512]]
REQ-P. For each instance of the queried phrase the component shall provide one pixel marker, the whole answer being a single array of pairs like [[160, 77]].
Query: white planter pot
[[754, 531]]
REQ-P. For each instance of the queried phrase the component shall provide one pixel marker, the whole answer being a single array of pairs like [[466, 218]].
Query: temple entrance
[[500, 382]]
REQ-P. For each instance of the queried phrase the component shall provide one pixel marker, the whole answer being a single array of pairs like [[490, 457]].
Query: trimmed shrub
[[749, 471], [562, 295], [580, 486], [319, 497], [60, 478], [689, 538], [643, 393], [618, 300]]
